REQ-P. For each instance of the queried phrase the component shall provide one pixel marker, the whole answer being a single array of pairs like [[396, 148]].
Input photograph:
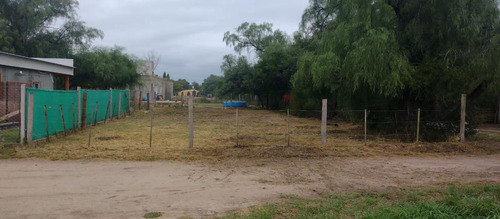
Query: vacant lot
[[262, 134], [217, 176]]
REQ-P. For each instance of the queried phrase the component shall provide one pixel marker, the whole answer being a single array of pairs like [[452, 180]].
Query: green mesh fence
[[54, 100]]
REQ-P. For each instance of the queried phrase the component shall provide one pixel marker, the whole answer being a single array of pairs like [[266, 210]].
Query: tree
[[154, 58], [274, 69], [210, 84], [238, 75], [195, 85], [104, 68], [181, 84], [168, 76], [254, 37], [164, 75], [26, 28]]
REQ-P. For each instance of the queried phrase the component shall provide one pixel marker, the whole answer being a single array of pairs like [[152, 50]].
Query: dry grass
[[262, 135]]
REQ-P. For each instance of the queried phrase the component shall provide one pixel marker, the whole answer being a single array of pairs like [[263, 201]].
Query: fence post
[[46, 124], [90, 126], [140, 100], [366, 115], [151, 130], [147, 107], [110, 102], [237, 127], [30, 119], [84, 111], [119, 103], [323, 122], [79, 106], [95, 115], [418, 124], [22, 113], [191, 133], [62, 118], [462, 118]]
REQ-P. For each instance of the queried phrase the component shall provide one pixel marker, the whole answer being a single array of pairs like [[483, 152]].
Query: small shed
[[35, 72]]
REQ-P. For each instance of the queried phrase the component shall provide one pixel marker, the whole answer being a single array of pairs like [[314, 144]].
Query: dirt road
[[32, 188]]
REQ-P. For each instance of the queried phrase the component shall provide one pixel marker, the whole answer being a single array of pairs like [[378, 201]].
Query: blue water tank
[[235, 104]]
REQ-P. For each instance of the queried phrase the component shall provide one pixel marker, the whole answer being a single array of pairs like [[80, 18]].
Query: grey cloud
[[187, 33]]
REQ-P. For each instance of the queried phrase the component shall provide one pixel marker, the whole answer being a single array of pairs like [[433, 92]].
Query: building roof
[[52, 65]]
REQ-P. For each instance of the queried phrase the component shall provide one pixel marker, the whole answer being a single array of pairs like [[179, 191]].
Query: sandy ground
[[33, 188]]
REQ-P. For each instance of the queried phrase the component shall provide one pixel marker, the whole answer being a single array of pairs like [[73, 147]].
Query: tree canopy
[[27, 28], [104, 68]]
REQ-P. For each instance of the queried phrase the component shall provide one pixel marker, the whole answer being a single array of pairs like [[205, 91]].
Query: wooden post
[[79, 107], [191, 132], [30, 119], [46, 124], [418, 124], [67, 83], [84, 111], [90, 126], [113, 111], [95, 115], [22, 113], [106, 114], [237, 127], [288, 125], [73, 107], [119, 104], [151, 130], [140, 100], [323, 122], [147, 107], [462, 118], [62, 118], [110, 102], [366, 115]]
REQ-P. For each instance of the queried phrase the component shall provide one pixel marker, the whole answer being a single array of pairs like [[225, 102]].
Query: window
[[35, 84]]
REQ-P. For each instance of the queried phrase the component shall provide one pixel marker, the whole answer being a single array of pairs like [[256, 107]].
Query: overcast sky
[[186, 33]]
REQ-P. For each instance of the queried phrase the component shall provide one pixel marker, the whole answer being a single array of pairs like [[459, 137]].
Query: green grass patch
[[473, 201], [153, 214], [10, 135], [7, 152]]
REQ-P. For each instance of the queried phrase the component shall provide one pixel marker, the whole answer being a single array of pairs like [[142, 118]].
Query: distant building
[[163, 89], [34, 72]]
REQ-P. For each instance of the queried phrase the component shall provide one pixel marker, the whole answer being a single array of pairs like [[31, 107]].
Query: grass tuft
[[474, 201], [153, 214]]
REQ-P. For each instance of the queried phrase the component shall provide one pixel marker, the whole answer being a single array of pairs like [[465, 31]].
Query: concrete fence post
[[22, 114], [462, 117], [30, 119]]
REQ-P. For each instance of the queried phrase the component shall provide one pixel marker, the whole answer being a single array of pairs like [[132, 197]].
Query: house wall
[[12, 74], [160, 86]]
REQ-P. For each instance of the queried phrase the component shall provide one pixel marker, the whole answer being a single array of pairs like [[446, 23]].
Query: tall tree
[[210, 84], [164, 75], [28, 28], [254, 37], [104, 68], [238, 73]]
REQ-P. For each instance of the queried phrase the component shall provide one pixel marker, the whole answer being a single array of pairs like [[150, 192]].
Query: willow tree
[[401, 49], [401, 53]]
